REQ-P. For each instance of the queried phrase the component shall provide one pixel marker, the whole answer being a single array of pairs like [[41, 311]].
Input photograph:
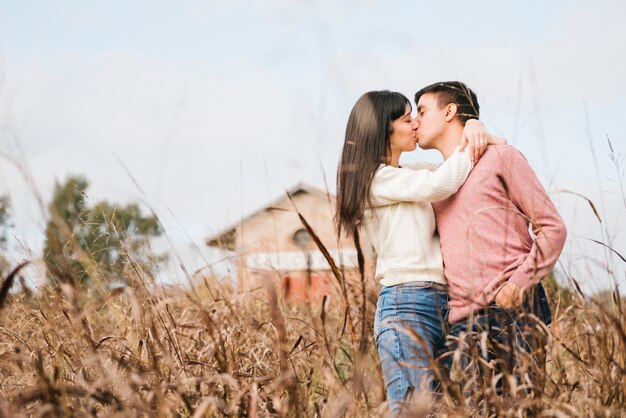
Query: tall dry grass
[[148, 351], [153, 350]]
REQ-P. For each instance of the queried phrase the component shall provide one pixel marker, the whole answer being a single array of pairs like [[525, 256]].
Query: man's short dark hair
[[454, 92]]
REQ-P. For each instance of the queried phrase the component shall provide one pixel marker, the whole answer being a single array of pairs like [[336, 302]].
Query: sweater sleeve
[[421, 165], [527, 193], [398, 184]]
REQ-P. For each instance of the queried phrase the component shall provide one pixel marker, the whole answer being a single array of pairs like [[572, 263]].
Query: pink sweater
[[484, 231]]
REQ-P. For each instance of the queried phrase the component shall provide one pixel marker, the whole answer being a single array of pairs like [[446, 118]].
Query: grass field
[[151, 350]]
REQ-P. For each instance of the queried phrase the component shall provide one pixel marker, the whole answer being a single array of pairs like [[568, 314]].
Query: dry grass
[[170, 352], [207, 351]]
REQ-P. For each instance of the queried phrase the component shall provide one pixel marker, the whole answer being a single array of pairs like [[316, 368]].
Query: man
[[492, 264]]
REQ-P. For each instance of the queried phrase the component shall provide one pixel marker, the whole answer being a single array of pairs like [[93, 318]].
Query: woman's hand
[[477, 138]]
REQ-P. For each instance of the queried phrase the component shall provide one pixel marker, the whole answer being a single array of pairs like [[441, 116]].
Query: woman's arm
[[395, 184], [421, 165]]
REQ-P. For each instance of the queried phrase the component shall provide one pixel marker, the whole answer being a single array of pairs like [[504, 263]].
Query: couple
[[455, 255]]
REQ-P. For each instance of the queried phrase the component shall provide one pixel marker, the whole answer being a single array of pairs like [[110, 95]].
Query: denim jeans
[[538, 305], [409, 329], [512, 336]]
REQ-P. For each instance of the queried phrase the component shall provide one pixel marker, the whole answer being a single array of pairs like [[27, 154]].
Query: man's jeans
[[539, 305], [409, 327], [514, 338]]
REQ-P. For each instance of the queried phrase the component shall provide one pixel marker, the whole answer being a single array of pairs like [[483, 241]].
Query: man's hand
[[510, 296]]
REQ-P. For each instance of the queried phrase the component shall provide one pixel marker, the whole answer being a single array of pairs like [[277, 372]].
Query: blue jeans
[[409, 330], [513, 337], [537, 302]]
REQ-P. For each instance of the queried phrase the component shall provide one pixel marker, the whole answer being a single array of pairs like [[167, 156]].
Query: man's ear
[[451, 110]]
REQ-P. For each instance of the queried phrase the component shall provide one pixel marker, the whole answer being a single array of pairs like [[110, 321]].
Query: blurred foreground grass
[[150, 350]]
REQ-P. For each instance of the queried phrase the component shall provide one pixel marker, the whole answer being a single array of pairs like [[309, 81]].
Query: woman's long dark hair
[[366, 146]]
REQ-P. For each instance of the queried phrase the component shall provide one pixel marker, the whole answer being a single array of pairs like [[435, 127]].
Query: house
[[274, 240]]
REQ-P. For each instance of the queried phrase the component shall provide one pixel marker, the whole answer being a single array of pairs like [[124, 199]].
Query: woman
[[391, 203]]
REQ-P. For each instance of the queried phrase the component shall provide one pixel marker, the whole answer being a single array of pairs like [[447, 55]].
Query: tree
[[87, 242]]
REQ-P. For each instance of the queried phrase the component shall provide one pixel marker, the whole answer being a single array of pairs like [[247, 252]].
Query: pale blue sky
[[172, 31], [217, 107]]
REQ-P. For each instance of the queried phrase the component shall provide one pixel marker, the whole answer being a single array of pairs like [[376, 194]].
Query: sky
[[205, 110]]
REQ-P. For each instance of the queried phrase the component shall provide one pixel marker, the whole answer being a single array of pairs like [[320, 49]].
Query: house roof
[[226, 238]]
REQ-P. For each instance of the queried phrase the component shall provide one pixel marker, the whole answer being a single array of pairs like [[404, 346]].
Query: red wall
[[301, 288]]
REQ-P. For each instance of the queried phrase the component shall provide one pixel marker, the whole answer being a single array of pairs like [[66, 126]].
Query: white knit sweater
[[401, 225]]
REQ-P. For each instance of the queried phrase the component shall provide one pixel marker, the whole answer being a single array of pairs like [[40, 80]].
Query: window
[[301, 238]]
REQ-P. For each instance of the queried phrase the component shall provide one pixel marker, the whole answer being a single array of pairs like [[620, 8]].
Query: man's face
[[431, 121]]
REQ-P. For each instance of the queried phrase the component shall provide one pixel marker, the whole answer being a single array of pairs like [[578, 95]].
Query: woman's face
[[403, 137]]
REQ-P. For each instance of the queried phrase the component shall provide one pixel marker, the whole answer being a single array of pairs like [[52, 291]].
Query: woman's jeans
[[409, 330]]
